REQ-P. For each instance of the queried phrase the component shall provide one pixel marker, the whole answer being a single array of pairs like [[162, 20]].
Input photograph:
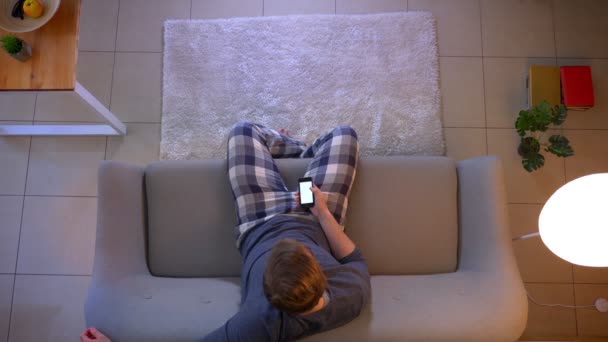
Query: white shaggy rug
[[378, 73]]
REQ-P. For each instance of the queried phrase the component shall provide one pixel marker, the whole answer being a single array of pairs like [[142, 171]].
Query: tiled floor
[[48, 185]]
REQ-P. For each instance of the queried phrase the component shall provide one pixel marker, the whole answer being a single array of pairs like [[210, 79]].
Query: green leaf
[[522, 124], [560, 146], [544, 106], [558, 139], [542, 115], [533, 162], [539, 118], [560, 113]]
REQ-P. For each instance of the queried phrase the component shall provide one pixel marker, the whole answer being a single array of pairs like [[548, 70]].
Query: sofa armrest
[[485, 246], [484, 241], [120, 248]]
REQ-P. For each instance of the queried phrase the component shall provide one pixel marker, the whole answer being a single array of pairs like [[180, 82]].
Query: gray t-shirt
[[257, 320]]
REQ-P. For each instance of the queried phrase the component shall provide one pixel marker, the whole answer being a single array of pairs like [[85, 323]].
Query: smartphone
[[307, 198]]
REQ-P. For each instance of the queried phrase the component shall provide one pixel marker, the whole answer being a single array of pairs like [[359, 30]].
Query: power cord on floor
[[561, 305]]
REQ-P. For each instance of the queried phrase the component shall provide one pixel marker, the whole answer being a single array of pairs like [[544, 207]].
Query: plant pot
[[528, 146], [24, 54]]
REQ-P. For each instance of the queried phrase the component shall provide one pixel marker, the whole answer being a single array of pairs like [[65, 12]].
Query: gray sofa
[[434, 233]]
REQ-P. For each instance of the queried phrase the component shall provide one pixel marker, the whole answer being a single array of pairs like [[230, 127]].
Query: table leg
[[114, 126], [101, 110]]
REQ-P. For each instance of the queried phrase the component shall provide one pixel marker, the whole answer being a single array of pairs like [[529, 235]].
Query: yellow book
[[543, 84]]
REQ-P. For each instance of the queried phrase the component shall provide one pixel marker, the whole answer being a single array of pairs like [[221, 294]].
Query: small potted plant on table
[[16, 47]]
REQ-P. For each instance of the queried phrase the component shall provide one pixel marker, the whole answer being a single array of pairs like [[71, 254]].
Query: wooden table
[[53, 67]]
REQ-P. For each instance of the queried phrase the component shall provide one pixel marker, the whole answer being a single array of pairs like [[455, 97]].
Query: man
[[301, 273]]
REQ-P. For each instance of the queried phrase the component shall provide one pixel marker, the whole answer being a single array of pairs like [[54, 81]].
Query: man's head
[[293, 279]]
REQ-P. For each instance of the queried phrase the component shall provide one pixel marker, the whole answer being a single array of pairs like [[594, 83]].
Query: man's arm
[[341, 245], [244, 326]]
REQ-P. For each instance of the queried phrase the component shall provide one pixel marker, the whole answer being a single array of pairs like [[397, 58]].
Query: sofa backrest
[[402, 214]]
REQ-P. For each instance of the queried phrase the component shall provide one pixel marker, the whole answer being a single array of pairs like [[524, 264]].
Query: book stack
[[570, 85], [543, 84], [577, 87]]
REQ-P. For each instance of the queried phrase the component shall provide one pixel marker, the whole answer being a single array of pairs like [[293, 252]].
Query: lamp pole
[[526, 236]]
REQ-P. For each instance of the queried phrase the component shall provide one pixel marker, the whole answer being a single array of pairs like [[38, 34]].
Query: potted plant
[[531, 125], [16, 47]]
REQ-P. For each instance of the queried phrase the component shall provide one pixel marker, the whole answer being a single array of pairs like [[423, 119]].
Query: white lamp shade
[[574, 221]]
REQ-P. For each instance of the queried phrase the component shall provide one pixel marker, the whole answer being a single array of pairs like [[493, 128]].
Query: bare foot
[[92, 334], [284, 131]]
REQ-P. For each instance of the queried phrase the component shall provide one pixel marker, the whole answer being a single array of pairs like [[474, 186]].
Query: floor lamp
[[573, 224]]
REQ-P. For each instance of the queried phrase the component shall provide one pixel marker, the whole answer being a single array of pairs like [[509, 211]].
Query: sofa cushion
[[402, 214], [191, 220]]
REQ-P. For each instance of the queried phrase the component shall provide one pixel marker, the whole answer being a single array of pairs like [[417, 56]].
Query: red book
[[577, 87]]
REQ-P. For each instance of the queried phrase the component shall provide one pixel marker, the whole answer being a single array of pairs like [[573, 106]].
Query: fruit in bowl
[[27, 15], [32, 8]]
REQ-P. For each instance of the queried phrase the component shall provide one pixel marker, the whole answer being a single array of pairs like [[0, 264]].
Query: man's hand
[[93, 335], [341, 245], [320, 202]]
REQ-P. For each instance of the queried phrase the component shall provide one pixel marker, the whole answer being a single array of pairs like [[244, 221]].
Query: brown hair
[[293, 279]]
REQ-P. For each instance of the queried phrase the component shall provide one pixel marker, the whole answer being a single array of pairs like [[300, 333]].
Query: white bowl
[[10, 24]]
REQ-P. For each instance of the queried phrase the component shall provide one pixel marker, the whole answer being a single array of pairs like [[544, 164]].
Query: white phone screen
[[306, 193]]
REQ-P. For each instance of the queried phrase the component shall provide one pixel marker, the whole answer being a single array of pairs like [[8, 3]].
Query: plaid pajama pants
[[258, 188]]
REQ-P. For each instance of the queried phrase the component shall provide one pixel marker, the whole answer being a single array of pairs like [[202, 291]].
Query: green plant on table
[[531, 125], [11, 44]]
